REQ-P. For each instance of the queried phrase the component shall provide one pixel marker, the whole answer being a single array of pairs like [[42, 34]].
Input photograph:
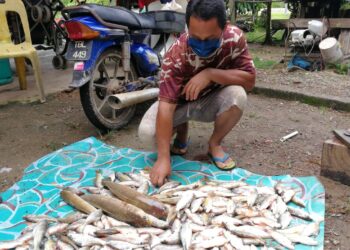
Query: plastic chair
[[18, 51]]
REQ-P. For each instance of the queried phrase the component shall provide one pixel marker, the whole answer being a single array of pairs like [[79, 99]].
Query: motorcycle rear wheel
[[93, 95]]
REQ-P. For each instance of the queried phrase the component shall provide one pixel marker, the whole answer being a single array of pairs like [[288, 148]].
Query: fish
[[262, 221], [287, 195], [60, 245], [167, 247], [39, 233], [235, 241], [123, 211], [252, 241], [184, 201], [186, 236], [38, 218], [195, 217], [131, 183], [98, 179], [302, 239], [77, 202], [50, 244], [281, 239], [57, 228], [311, 229], [122, 177], [299, 213], [85, 240], [300, 202], [144, 202], [70, 218], [211, 243], [285, 219], [266, 203], [136, 240], [196, 204], [122, 245], [143, 189], [220, 220], [168, 185], [248, 231], [230, 207], [93, 217]]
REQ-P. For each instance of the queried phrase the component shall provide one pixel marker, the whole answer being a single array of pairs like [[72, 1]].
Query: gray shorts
[[205, 109]]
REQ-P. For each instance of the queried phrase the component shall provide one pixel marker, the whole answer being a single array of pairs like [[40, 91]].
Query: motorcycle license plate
[[79, 50]]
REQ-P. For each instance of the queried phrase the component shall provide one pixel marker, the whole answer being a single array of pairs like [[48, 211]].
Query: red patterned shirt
[[180, 63]]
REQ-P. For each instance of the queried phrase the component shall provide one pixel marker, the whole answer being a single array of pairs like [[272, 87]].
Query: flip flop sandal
[[179, 148], [219, 162]]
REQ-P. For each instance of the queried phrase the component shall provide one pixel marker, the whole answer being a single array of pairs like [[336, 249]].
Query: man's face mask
[[204, 48]]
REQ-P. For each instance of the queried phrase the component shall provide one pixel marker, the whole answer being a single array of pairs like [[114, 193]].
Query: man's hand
[[197, 84], [160, 171]]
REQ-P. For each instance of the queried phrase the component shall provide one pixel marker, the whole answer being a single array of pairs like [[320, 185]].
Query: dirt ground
[[33, 130], [324, 83]]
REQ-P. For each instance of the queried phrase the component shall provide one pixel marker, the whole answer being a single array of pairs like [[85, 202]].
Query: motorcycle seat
[[162, 21], [115, 15]]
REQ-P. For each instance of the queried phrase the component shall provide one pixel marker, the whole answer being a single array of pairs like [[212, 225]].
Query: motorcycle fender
[[83, 70]]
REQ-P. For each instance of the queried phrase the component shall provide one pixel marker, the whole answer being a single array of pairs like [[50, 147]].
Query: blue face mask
[[204, 48]]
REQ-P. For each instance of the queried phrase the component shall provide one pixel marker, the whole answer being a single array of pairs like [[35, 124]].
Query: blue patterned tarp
[[75, 165]]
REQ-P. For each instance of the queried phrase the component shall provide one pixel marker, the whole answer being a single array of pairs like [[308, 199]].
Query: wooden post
[[21, 72], [232, 7], [268, 37], [335, 162]]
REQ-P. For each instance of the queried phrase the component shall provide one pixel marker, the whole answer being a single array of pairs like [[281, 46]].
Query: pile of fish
[[119, 213]]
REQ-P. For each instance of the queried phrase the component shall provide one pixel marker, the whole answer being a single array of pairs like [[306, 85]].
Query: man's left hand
[[196, 85]]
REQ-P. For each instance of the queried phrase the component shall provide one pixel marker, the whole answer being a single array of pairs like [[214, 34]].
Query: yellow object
[[25, 49]]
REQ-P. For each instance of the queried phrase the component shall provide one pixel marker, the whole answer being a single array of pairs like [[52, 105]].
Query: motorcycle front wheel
[[105, 80]]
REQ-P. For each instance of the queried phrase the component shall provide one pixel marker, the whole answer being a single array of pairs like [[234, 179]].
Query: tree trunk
[[268, 37], [232, 7]]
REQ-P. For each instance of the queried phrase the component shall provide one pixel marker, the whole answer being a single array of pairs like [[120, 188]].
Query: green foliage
[[339, 68], [263, 64], [244, 8], [74, 2]]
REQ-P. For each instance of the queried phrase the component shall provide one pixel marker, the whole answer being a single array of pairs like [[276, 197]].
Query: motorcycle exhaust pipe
[[123, 100]]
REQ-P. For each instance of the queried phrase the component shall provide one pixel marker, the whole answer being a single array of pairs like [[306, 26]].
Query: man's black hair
[[206, 10]]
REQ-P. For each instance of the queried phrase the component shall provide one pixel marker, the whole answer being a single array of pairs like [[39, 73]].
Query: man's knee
[[147, 134], [235, 96]]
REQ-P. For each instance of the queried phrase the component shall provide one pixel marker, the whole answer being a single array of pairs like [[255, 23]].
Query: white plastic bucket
[[317, 27], [330, 50]]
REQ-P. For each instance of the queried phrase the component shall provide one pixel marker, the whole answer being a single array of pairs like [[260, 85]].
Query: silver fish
[[38, 218], [185, 201], [285, 219], [287, 195], [143, 189], [235, 241], [231, 207], [247, 231], [58, 228], [298, 201], [281, 239], [85, 240], [122, 177], [196, 204], [98, 179], [297, 238], [311, 229], [299, 213], [186, 236], [70, 218], [39, 233], [63, 246], [122, 245], [214, 242], [50, 244], [169, 185], [195, 218]]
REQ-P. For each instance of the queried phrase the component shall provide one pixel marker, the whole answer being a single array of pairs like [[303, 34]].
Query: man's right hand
[[160, 171]]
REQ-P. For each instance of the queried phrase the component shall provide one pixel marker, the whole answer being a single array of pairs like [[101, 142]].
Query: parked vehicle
[[116, 68]]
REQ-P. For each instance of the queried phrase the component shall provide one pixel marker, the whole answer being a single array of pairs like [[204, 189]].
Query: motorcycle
[[116, 66]]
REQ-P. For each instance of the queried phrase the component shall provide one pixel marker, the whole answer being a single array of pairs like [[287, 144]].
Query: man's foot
[[179, 148], [221, 159]]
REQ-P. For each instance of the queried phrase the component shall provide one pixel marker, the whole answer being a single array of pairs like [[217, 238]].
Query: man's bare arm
[[164, 131], [232, 77]]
